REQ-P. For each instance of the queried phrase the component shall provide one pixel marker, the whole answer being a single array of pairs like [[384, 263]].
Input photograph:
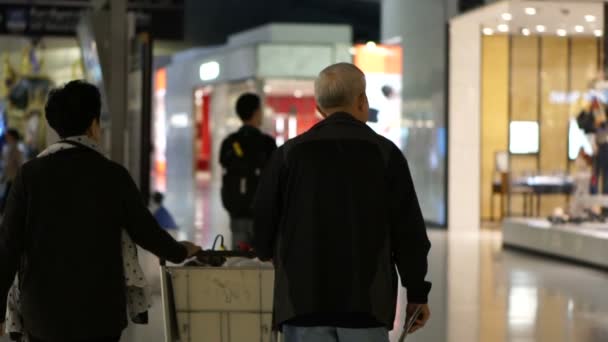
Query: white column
[[464, 126]]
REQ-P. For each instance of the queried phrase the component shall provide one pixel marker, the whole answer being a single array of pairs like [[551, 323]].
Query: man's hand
[[191, 248], [425, 315]]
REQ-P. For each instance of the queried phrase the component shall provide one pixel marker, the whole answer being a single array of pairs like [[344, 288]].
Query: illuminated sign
[[209, 71]]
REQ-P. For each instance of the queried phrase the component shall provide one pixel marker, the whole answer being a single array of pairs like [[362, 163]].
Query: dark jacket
[[336, 210], [62, 234], [257, 148]]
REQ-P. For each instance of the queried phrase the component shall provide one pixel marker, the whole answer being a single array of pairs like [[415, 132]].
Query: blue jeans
[[333, 334]]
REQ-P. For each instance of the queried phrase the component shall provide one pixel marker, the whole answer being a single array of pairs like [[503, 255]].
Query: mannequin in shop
[[600, 172], [582, 183]]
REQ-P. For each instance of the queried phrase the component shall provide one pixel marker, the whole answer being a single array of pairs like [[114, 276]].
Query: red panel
[[204, 159], [305, 109]]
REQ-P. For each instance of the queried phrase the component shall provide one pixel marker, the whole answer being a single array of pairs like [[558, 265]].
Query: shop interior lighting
[[371, 45], [530, 11], [579, 28], [526, 31], [503, 28], [589, 18], [298, 93], [598, 33], [562, 32], [488, 31], [541, 28], [507, 16], [267, 89]]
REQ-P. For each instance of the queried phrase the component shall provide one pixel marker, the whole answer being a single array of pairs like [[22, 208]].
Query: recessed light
[[530, 11], [525, 31], [488, 31], [507, 16], [562, 32], [541, 28], [598, 33], [589, 18], [579, 28], [503, 28]]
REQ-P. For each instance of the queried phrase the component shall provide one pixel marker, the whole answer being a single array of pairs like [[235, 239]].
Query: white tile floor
[[486, 294], [481, 293]]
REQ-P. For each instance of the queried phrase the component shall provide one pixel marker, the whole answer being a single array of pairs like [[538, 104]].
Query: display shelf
[[585, 243]]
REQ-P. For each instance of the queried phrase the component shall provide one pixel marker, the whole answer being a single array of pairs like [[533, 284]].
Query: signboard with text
[[39, 20]]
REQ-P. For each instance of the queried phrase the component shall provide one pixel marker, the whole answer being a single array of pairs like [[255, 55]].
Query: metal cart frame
[[217, 304]]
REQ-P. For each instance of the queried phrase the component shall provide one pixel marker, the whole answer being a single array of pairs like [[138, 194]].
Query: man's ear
[[323, 114]]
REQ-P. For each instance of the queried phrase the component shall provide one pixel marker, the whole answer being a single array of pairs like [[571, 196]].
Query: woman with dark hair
[[64, 227]]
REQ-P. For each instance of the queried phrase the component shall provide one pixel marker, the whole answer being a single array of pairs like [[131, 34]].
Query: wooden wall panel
[[494, 111], [554, 115], [524, 78], [583, 62], [525, 65]]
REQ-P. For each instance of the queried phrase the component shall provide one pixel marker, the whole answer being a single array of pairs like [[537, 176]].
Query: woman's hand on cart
[[191, 248]]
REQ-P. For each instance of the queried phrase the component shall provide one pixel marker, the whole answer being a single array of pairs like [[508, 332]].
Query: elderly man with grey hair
[[337, 212]]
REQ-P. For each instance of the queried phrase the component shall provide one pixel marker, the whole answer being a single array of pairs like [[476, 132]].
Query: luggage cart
[[217, 304]]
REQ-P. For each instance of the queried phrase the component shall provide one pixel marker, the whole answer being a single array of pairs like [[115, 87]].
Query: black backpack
[[248, 156]]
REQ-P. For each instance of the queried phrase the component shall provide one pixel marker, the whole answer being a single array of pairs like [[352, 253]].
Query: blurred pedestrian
[[336, 211], [12, 159], [161, 213]]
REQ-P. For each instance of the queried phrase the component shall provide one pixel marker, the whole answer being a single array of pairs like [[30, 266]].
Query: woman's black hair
[[72, 108]]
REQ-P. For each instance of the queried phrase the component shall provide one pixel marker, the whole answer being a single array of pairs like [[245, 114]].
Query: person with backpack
[[243, 155]]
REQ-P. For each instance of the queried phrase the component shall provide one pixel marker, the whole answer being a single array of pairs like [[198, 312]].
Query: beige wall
[[519, 76]]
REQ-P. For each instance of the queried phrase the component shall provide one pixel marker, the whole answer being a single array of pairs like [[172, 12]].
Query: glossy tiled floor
[[481, 292]]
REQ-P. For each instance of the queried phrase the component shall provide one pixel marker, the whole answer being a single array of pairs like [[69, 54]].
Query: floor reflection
[[480, 292]]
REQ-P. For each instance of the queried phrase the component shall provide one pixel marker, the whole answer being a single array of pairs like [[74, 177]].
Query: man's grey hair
[[339, 85]]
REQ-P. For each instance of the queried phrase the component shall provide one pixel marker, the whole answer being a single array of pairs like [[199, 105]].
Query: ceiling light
[[488, 31], [507, 16], [589, 18], [298, 94], [525, 31], [579, 28], [541, 28], [267, 89], [530, 11], [562, 32], [503, 28], [371, 45], [598, 33], [209, 71]]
